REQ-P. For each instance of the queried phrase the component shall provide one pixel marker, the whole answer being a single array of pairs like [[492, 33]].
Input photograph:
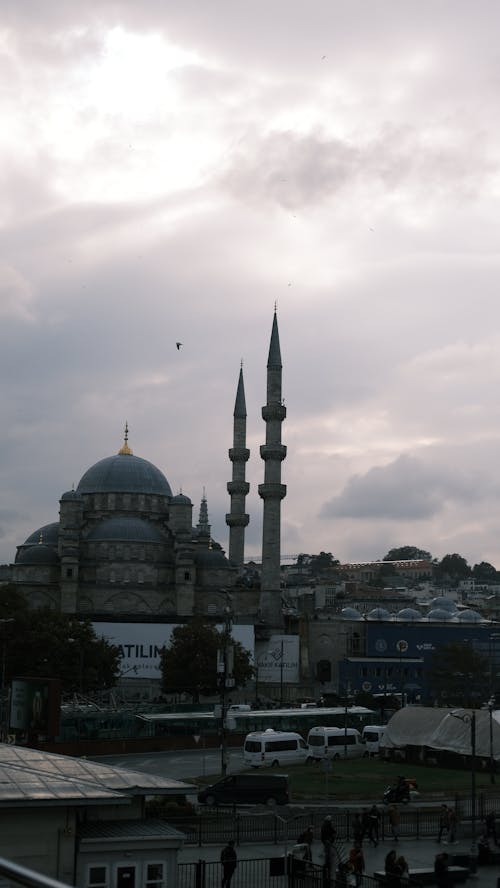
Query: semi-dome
[[70, 495], [39, 554], [211, 558], [48, 534], [181, 500], [124, 529], [124, 473]]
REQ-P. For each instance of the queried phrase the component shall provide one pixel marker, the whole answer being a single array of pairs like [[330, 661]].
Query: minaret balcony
[[241, 487], [274, 411], [239, 454], [272, 490], [273, 451], [237, 520]]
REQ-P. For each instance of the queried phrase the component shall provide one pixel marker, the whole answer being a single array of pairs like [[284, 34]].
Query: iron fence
[[273, 872]]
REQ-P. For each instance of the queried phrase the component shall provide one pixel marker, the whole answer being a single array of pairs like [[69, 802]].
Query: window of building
[[324, 671], [155, 875], [69, 572], [187, 576], [140, 577], [98, 876], [329, 597], [112, 576]]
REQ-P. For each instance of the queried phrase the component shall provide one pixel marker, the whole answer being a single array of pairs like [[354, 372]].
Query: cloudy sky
[[169, 171]]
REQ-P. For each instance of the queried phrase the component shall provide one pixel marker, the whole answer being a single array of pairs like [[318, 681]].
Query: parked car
[[247, 789]]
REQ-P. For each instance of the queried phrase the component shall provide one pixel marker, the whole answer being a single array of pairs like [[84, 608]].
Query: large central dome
[[124, 473]]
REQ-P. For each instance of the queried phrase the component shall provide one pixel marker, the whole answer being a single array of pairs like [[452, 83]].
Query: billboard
[[140, 644], [277, 659], [35, 705]]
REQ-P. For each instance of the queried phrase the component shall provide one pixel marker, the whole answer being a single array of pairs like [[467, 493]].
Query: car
[[247, 789]]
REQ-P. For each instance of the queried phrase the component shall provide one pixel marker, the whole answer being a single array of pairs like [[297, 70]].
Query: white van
[[325, 742], [372, 735], [262, 748]]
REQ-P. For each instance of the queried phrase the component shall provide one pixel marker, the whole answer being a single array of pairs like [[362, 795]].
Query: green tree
[[49, 644], [484, 572], [189, 663], [452, 569], [458, 675], [407, 553]]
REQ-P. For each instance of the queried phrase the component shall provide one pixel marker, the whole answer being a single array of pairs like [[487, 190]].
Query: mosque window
[[69, 572], [324, 671], [126, 576], [187, 576]]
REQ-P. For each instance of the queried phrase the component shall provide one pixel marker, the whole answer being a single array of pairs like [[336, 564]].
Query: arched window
[[324, 671]]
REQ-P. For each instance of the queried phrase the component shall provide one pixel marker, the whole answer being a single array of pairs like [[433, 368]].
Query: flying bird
[[178, 344]]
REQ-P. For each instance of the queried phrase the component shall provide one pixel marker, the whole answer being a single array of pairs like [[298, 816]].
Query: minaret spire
[[203, 527], [272, 491], [238, 488]]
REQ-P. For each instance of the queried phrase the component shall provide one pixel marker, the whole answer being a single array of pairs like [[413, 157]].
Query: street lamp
[[469, 718], [225, 663]]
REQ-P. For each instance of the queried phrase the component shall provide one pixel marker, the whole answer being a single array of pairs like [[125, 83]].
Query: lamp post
[[469, 718], [225, 662]]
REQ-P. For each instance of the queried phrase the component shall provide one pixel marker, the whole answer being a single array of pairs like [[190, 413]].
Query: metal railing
[[274, 872], [20, 875]]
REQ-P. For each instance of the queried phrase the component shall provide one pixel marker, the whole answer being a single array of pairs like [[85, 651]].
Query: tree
[[452, 569], [458, 675], [407, 553], [49, 644], [484, 572], [189, 663]]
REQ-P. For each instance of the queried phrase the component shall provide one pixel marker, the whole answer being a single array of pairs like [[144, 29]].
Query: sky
[[171, 171]]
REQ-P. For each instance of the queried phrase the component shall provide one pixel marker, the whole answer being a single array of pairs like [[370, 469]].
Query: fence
[[274, 872], [216, 826]]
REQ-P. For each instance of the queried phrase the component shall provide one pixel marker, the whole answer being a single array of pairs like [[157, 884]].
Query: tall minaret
[[238, 488], [272, 491]]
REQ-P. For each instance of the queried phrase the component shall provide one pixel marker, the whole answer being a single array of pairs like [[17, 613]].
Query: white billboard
[[140, 644], [278, 659]]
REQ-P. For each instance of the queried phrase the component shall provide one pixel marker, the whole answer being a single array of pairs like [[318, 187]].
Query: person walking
[[357, 862], [373, 824], [452, 827], [229, 861], [328, 835], [307, 838], [443, 823], [441, 871], [357, 829], [393, 815], [491, 827]]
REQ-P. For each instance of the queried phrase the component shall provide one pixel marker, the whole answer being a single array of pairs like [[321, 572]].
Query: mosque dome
[[350, 613], [211, 558], [48, 534], [70, 495], [442, 602], [469, 616], [181, 500], [39, 555], [440, 614], [378, 613], [408, 614], [125, 529], [124, 473]]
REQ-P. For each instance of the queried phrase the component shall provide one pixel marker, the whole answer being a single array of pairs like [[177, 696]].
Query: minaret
[[272, 491], [238, 488], [203, 527]]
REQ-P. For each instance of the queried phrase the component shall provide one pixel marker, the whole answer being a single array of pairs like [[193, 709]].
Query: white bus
[[334, 743], [266, 748]]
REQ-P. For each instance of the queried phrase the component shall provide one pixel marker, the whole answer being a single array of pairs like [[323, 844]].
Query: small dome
[[469, 616], [211, 558], [350, 613], [39, 554], [444, 603], [378, 613], [48, 534], [70, 495], [181, 500], [124, 473], [439, 614], [409, 614], [126, 530]]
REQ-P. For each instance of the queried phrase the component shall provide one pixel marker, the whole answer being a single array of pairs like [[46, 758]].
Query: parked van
[[239, 707], [270, 747], [371, 736], [247, 789], [334, 743]]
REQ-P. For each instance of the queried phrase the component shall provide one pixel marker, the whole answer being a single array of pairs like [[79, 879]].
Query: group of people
[[366, 826], [396, 869], [447, 826]]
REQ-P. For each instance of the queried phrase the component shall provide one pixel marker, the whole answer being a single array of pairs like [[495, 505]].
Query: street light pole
[[469, 718], [225, 669]]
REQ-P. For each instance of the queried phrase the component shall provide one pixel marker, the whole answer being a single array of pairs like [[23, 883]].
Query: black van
[[247, 789]]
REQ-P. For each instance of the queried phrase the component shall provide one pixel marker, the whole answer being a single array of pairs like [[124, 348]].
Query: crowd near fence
[[274, 872]]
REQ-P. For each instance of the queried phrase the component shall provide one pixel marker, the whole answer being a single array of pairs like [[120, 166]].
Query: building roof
[[32, 777], [124, 473], [127, 829]]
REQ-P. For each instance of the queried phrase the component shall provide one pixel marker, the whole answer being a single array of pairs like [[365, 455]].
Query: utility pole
[[225, 666]]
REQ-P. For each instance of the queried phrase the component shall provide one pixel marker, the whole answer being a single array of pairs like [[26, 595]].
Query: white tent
[[444, 729]]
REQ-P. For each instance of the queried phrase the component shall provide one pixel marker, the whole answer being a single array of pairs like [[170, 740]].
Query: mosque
[[125, 547]]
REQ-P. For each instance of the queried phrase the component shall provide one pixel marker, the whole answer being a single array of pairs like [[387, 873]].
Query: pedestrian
[[365, 823], [483, 849], [357, 862], [393, 814], [441, 871], [452, 827], [402, 868], [357, 829], [307, 838], [328, 835], [373, 823], [229, 860], [443, 823], [491, 827]]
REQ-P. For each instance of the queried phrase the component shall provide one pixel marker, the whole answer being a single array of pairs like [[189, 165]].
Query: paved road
[[179, 764]]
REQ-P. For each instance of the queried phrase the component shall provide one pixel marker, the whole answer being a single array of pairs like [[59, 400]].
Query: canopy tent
[[444, 729]]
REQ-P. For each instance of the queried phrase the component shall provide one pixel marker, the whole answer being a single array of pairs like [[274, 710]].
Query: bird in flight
[[178, 345]]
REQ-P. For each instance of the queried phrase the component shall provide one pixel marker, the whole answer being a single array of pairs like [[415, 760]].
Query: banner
[[277, 660]]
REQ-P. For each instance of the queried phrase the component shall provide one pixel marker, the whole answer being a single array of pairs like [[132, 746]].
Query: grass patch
[[368, 778]]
